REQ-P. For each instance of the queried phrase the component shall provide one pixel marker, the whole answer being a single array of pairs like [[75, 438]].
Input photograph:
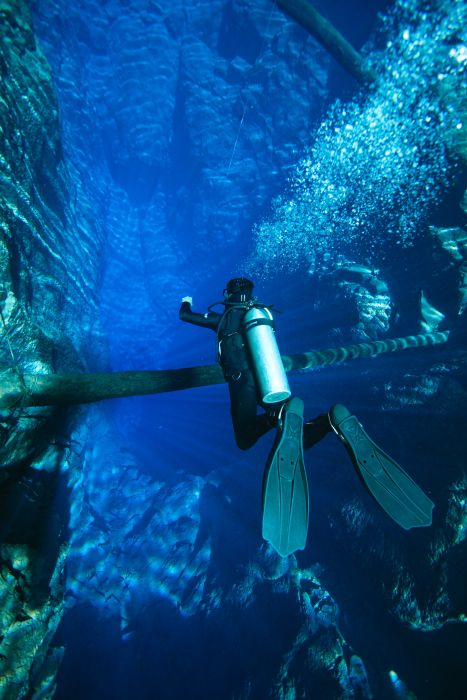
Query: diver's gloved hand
[[188, 299]]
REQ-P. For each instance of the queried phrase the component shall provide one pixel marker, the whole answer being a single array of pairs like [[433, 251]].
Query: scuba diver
[[248, 354]]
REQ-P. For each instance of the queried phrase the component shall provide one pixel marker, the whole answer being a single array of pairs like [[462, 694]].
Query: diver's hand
[[188, 299]]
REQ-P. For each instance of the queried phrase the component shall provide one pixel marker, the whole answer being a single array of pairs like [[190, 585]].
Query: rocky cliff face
[[47, 311], [192, 115]]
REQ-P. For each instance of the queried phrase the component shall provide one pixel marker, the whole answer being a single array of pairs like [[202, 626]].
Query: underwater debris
[[431, 317], [307, 16], [454, 242], [400, 688]]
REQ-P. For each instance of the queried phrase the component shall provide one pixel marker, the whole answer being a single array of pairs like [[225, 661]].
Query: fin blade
[[396, 492], [285, 487]]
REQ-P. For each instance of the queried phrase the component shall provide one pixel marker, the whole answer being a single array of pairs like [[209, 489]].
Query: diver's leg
[[248, 426]]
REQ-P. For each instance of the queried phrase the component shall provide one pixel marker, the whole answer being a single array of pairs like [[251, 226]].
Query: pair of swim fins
[[285, 485]]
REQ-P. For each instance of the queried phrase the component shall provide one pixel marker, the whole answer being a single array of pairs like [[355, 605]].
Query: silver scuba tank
[[269, 371]]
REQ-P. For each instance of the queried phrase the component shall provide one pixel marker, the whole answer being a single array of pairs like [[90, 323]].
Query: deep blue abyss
[[217, 139]]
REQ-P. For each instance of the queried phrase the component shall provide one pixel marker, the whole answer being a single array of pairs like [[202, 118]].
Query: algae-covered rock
[[46, 310], [27, 661]]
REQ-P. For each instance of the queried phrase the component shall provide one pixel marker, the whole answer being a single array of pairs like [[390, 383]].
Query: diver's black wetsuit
[[235, 362], [236, 365]]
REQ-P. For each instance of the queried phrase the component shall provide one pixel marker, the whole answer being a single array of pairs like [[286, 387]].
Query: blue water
[[217, 139]]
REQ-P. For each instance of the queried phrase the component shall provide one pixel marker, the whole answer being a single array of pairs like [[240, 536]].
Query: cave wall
[[48, 273], [192, 117]]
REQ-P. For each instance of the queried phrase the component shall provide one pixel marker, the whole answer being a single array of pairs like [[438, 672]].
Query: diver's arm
[[208, 320]]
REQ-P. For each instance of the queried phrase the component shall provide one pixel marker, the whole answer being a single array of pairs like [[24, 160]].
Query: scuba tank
[[271, 378]]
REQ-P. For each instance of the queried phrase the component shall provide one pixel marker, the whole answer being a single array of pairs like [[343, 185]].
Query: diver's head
[[239, 289]]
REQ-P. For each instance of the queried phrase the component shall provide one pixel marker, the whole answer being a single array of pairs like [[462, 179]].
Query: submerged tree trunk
[[18, 390], [310, 19]]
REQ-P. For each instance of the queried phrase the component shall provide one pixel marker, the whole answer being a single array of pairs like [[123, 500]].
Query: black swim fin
[[285, 486], [390, 485]]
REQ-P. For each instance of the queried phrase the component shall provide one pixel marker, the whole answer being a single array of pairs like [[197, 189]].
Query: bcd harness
[[236, 359], [251, 342]]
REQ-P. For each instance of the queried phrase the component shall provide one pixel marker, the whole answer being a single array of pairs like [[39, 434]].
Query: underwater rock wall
[[48, 276], [192, 114]]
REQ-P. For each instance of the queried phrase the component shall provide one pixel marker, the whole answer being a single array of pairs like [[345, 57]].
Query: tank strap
[[247, 326], [218, 333], [259, 322]]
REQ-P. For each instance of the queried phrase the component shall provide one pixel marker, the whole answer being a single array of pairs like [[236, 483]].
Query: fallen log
[[18, 390], [328, 36]]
